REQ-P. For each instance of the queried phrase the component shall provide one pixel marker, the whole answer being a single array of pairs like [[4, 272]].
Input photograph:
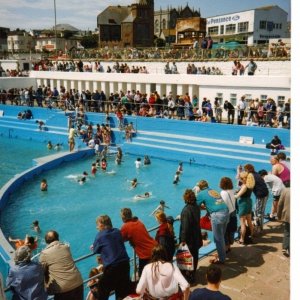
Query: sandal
[[217, 262], [241, 243]]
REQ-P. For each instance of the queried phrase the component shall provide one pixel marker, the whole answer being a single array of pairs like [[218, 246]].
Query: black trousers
[[115, 278], [75, 294]]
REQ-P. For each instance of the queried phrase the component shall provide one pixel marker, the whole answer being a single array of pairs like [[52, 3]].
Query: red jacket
[[136, 233]]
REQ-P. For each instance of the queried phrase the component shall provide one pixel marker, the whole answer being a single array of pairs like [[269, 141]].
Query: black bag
[[268, 145]]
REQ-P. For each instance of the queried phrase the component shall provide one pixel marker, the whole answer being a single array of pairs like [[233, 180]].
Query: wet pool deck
[[258, 271]]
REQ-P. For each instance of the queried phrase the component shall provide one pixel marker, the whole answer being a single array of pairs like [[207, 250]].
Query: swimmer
[[29, 241], [146, 195], [134, 183], [35, 226], [57, 147], [49, 145], [180, 167], [147, 160], [82, 179], [44, 185], [41, 124], [119, 156], [160, 208], [138, 163], [103, 164], [176, 177], [98, 164], [93, 169]]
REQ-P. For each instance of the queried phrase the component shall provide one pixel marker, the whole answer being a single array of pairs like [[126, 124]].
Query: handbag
[[184, 258], [205, 222], [232, 224]]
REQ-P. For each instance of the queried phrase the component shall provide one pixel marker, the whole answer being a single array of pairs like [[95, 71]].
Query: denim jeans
[[259, 211], [219, 222]]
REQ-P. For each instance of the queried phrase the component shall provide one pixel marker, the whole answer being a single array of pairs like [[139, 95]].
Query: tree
[[90, 41]]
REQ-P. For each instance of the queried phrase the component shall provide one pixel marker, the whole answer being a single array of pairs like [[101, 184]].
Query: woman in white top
[[160, 279], [227, 194]]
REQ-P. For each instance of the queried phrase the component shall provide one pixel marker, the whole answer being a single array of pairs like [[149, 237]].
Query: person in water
[[44, 185]]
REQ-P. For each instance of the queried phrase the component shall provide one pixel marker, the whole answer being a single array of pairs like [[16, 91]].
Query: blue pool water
[[71, 209]]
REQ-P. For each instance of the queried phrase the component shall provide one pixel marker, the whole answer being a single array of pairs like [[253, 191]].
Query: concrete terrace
[[258, 271]]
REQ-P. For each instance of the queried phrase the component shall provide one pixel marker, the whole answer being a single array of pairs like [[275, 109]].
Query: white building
[[19, 41], [249, 27]]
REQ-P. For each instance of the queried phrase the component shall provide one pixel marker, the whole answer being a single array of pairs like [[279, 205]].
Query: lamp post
[[55, 33]]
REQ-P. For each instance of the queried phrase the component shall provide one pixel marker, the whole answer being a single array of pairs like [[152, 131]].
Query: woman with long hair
[[162, 279]]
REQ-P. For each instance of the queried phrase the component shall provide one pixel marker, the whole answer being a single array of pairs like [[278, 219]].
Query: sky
[[82, 14]]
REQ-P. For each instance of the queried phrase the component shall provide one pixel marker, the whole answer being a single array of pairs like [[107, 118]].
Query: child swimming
[[176, 177], [143, 196], [44, 185]]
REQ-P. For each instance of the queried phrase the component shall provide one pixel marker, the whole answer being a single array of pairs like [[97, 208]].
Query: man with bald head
[[62, 278]]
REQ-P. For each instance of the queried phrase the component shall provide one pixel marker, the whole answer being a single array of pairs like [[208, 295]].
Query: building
[[255, 26], [19, 41], [63, 39], [165, 22], [127, 25], [3, 39]]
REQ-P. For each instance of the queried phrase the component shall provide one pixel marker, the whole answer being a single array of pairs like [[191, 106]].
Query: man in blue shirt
[[116, 274], [211, 291], [26, 278]]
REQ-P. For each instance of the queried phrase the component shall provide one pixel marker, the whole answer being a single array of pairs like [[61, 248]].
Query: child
[[57, 147], [94, 169], [49, 145], [138, 163], [160, 208], [180, 168], [98, 164], [103, 164], [82, 179], [147, 160], [238, 172], [44, 185], [134, 183], [35, 226], [146, 195], [176, 177]]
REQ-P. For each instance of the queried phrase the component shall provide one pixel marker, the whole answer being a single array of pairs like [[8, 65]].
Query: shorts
[[71, 140], [276, 198]]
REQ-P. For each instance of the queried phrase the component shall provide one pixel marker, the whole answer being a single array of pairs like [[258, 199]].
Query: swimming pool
[[71, 209]]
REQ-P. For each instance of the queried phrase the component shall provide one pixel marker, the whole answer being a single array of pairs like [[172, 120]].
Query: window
[[243, 27], [263, 25], [263, 98], [230, 28], [164, 22], [233, 98], [220, 98], [156, 26], [222, 29], [280, 26], [248, 97], [213, 30]]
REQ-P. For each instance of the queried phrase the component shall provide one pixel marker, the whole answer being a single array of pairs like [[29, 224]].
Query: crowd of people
[[157, 276], [251, 112]]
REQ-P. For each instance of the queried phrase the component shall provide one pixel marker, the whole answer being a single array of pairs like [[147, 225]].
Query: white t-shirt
[[229, 199], [274, 183], [164, 283], [138, 163]]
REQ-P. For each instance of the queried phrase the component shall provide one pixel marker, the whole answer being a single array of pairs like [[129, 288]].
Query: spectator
[[283, 214], [116, 269], [211, 201], [230, 111], [261, 192], [134, 231], [211, 291], [165, 234], [62, 278], [161, 279], [241, 110], [252, 66], [190, 232], [26, 278]]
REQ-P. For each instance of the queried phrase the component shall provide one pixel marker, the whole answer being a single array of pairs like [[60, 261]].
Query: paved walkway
[[257, 271]]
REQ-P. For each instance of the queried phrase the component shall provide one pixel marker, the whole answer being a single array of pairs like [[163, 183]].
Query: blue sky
[[82, 14]]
